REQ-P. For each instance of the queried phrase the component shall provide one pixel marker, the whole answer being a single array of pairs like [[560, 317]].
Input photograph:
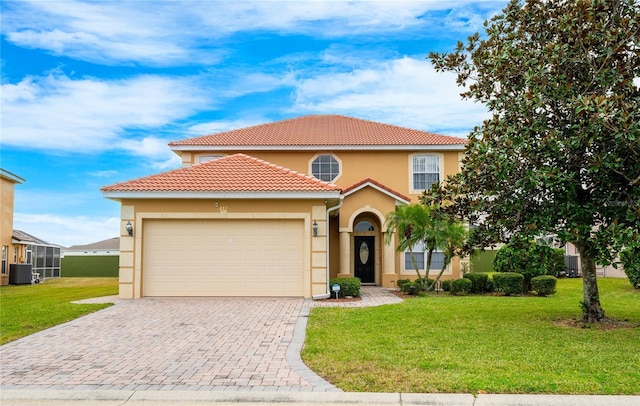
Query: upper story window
[[425, 170], [325, 167], [207, 158]]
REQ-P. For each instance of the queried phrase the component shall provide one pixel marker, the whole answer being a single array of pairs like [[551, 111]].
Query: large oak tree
[[561, 152]]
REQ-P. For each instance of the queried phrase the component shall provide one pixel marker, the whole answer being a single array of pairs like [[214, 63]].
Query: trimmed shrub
[[446, 285], [348, 286], [529, 259], [462, 285], [428, 282], [509, 283], [630, 259], [478, 281], [401, 282], [490, 286], [544, 285], [412, 288]]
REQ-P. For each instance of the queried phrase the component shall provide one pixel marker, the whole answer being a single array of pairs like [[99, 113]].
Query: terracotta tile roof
[[234, 173], [357, 185], [321, 130]]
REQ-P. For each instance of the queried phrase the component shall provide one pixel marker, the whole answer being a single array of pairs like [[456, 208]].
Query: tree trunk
[[444, 268], [592, 311]]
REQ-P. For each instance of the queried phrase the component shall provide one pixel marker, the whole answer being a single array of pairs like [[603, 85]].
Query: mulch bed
[[607, 324]]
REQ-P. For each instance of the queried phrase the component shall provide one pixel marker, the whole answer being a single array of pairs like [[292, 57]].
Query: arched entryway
[[366, 248]]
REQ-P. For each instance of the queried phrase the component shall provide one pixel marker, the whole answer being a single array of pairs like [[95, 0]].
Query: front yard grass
[[477, 344], [26, 309]]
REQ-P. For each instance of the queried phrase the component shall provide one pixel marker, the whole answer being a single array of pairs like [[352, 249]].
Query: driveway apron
[[169, 344]]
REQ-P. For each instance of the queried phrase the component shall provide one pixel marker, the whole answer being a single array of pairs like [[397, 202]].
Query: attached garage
[[223, 257], [234, 226]]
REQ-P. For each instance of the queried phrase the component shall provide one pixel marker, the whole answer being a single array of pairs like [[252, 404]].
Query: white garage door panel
[[223, 258]]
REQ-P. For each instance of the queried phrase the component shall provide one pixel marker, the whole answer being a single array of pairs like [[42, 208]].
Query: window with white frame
[[420, 257], [425, 170], [325, 167]]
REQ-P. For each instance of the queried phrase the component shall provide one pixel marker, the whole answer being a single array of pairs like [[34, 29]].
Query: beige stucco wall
[[136, 211], [391, 168], [6, 225], [333, 245], [7, 188]]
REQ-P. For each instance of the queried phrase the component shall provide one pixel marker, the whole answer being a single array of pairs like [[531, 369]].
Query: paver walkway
[[175, 344]]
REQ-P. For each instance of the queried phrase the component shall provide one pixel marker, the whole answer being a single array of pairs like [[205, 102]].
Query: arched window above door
[[364, 225]]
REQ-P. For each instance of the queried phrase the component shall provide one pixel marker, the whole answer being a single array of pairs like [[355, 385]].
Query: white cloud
[[214, 127], [67, 230], [90, 115], [155, 150], [404, 91], [171, 33]]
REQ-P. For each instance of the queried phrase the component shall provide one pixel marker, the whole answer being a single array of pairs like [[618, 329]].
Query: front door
[[364, 258]]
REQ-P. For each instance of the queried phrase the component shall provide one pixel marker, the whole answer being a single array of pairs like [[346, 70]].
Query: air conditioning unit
[[20, 274]]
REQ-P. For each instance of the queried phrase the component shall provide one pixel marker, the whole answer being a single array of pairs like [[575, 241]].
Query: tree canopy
[[560, 153]]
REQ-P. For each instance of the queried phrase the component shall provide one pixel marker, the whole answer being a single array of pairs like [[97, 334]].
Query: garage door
[[222, 258]]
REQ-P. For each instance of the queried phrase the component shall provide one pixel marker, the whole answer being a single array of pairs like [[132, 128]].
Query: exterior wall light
[[314, 227], [129, 228]]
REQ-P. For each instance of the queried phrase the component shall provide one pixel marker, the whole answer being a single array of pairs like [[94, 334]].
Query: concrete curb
[[294, 350], [174, 398]]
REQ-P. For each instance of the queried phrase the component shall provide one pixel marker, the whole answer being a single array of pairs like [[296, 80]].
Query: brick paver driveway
[[169, 344]]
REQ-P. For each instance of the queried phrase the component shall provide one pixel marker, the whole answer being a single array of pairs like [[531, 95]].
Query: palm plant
[[415, 223], [453, 236], [418, 223]]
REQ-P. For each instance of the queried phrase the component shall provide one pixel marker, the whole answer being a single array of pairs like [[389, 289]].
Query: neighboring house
[[572, 254], [8, 181], [43, 256], [277, 209], [96, 259]]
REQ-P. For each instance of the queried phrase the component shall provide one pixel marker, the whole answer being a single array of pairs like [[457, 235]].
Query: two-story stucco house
[[277, 209]]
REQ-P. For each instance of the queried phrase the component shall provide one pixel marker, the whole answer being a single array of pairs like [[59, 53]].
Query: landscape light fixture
[[314, 226], [129, 228]]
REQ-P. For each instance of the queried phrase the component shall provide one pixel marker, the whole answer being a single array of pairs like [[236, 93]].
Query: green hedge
[[528, 258], [348, 286], [478, 281], [402, 282], [90, 266], [462, 285], [509, 283], [544, 285]]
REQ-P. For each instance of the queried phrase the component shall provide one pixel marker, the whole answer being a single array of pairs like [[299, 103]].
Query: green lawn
[[473, 344], [26, 309]]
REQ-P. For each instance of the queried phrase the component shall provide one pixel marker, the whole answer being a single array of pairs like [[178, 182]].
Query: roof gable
[[368, 182], [305, 132], [238, 173]]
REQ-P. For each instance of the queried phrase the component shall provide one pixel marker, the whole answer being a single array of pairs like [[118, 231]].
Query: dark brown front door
[[364, 251]]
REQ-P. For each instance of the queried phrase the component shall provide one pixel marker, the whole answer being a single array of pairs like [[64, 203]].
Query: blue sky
[[92, 92]]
